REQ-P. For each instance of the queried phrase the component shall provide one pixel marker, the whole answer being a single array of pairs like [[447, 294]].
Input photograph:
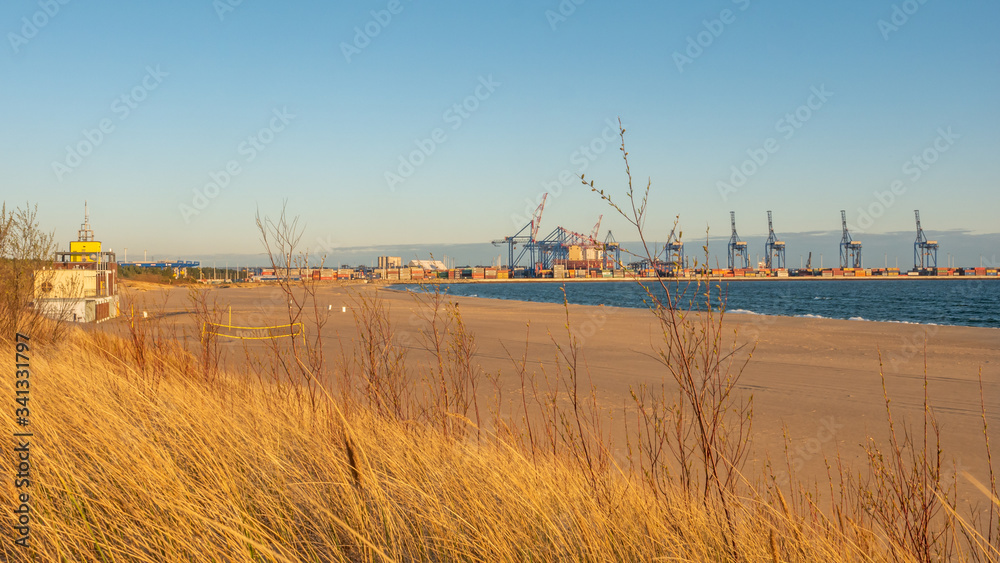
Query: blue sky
[[443, 122]]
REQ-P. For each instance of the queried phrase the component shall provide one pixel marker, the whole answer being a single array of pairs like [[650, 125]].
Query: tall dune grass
[[227, 470]]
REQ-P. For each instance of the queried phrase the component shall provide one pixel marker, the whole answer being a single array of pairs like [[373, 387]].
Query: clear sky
[[414, 122]]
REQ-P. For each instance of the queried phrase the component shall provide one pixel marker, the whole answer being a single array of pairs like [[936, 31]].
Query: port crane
[[673, 252], [526, 237], [737, 247], [924, 251], [774, 249], [555, 248], [612, 252], [850, 249]]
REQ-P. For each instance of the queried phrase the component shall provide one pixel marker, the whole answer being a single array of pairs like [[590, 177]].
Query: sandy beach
[[816, 379]]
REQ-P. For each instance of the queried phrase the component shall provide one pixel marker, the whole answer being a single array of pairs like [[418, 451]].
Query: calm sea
[[944, 302]]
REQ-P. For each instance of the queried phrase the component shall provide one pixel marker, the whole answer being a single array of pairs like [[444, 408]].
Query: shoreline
[[681, 279], [742, 311]]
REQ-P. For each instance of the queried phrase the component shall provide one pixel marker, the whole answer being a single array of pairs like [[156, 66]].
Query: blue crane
[[737, 247], [850, 249], [774, 249], [526, 237], [924, 251]]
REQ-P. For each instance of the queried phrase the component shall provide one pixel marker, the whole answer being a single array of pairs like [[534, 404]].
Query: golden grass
[[181, 470]]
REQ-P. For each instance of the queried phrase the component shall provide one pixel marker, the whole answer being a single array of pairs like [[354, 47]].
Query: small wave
[[812, 316], [742, 312], [857, 319], [823, 298]]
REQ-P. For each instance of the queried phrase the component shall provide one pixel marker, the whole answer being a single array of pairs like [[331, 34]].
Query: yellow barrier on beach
[[294, 330], [252, 332]]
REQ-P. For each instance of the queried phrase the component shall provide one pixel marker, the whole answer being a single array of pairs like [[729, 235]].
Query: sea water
[[942, 302]]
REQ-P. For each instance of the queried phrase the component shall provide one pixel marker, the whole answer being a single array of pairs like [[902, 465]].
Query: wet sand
[[816, 379]]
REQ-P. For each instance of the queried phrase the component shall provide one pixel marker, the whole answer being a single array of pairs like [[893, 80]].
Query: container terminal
[[81, 285], [564, 254]]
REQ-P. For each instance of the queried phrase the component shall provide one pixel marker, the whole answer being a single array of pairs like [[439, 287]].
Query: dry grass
[[226, 471]]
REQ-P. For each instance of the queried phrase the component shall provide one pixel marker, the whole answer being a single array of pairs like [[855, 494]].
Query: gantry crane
[[774, 249], [612, 253], [673, 253], [737, 247], [526, 237], [850, 249], [924, 251], [555, 249]]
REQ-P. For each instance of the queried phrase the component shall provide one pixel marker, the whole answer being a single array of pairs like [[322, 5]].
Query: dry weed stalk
[[708, 422], [302, 362]]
